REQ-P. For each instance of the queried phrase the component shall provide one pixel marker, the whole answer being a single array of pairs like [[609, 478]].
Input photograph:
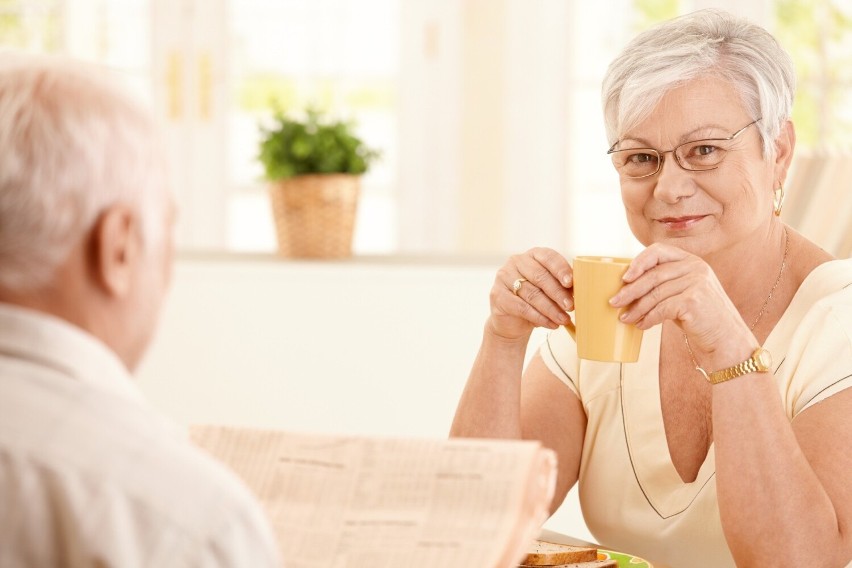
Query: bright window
[[487, 115], [108, 32], [338, 56]]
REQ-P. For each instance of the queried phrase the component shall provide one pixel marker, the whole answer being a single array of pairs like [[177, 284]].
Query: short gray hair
[[72, 143], [706, 42]]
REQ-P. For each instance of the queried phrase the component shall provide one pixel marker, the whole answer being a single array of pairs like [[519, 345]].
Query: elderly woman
[[704, 452]]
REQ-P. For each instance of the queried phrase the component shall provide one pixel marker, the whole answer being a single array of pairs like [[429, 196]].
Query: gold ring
[[516, 285]]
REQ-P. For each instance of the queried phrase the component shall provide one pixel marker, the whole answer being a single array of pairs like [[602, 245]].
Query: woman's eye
[[698, 151], [640, 158]]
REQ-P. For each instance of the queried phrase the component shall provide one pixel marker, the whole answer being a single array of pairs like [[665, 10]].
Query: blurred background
[[486, 111]]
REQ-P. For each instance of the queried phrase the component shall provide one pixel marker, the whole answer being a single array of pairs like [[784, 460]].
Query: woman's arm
[[784, 488], [490, 405], [494, 404], [552, 413]]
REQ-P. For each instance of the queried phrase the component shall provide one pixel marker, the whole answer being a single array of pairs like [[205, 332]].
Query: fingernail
[[623, 317], [569, 305], [614, 300], [566, 280]]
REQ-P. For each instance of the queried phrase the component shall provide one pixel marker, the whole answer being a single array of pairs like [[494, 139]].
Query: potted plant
[[313, 165]]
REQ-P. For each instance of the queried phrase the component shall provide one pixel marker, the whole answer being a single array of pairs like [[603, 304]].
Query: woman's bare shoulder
[[805, 255]]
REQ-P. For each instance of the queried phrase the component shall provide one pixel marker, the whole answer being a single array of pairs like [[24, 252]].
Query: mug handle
[[572, 328]]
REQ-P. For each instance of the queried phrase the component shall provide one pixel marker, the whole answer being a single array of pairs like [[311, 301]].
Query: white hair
[[72, 143], [707, 42]]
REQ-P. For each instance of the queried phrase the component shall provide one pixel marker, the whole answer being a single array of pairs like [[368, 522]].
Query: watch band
[[759, 362]]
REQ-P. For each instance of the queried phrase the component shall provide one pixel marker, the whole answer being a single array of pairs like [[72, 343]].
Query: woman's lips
[[680, 223]]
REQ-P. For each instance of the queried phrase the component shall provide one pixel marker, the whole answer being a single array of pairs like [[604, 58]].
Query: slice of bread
[[543, 553], [591, 564]]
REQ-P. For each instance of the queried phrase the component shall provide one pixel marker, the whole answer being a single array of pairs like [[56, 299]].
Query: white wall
[[374, 347]]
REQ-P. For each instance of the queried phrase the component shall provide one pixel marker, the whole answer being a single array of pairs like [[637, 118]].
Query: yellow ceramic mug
[[599, 334]]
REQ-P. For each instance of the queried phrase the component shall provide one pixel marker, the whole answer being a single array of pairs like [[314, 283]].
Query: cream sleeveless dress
[[632, 497]]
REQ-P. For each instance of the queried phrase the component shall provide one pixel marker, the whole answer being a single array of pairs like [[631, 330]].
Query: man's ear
[[784, 146], [116, 249]]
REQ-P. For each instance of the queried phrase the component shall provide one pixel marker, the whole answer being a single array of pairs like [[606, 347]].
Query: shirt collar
[[52, 342]]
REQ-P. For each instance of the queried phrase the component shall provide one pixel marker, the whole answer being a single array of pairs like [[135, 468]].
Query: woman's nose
[[672, 181]]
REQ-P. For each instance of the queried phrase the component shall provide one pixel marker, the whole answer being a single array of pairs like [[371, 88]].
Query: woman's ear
[[784, 146], [115, 250]]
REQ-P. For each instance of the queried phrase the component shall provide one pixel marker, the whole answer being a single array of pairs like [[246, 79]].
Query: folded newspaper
[[362, 502]]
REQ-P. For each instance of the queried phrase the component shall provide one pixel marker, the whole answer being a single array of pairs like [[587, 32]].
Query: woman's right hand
[[543, 299]]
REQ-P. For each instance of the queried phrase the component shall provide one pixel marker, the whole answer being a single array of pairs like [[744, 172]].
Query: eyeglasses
[[693, 156]]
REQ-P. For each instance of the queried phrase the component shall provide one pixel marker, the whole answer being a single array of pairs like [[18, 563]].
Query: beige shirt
[[91, 476], [632, 497]]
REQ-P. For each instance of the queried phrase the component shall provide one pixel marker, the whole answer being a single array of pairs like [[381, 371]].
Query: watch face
[[764, 359]]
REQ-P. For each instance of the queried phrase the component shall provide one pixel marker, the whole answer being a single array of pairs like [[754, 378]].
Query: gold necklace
[[765, 302]]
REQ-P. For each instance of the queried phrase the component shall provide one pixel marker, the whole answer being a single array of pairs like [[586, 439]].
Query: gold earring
[[778, 201]]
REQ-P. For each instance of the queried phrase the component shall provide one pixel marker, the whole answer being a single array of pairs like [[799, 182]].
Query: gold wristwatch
[[759, 362]]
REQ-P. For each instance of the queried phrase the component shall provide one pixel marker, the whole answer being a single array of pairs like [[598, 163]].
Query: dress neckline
[[644, 429]]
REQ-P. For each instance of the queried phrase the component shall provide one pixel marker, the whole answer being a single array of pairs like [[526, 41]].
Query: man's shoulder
[[123, 444], [101, 461]]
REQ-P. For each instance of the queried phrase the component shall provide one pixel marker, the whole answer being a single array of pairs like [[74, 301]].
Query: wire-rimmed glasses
[[693, 156]]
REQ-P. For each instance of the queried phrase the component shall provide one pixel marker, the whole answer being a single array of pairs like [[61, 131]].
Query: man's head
[[85, 211]]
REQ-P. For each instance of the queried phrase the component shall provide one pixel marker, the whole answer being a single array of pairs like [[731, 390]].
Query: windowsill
[[425, 259]]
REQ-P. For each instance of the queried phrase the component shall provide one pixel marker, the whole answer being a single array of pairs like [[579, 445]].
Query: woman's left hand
[[667, 283]]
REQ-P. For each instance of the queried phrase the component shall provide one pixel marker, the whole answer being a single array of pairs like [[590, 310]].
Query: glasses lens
[[636, 163], [702, 154]]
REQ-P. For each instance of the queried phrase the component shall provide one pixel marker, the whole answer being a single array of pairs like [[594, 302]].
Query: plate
[[624, 560]]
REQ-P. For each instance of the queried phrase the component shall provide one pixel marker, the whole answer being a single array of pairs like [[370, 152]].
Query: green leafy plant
[[292, 146]]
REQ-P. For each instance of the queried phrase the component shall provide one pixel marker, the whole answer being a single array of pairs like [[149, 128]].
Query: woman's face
[[700, 211]]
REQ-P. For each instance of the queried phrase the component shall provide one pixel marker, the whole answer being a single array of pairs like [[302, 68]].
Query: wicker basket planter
[[315, 214]]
